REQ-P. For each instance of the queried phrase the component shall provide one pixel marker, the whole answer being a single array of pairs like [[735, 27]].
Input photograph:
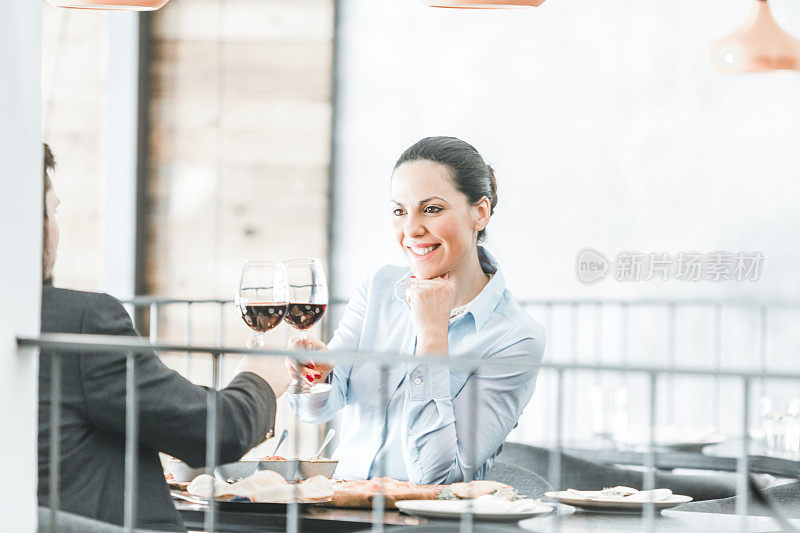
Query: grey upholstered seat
[[785, 497], [526, 482], [577, 473]]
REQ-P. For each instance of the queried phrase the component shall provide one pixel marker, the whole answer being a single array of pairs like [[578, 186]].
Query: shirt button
[[410, 431], [417, 381]]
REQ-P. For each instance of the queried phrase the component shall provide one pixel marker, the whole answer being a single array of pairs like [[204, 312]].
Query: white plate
[[454, 508], [570, 499]]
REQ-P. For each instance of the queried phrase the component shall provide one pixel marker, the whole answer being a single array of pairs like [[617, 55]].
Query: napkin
[[622, 494], [492, 504]]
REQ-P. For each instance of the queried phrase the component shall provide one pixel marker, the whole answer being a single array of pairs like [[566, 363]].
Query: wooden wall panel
[[239, 153]]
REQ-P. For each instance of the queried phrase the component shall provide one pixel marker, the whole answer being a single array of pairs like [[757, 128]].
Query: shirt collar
[[485, 303], [482, 307]]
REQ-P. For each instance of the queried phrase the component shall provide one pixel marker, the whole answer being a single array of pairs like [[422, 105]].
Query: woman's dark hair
[[471, 175]]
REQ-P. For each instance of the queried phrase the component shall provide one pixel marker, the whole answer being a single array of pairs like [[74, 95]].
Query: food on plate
[[265, 486], [477, 488], [620, 494], [273, 458], [361, 493], [201, 486]]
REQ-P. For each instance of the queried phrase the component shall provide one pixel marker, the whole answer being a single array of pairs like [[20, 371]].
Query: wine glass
[[262, 296], [308, 294]]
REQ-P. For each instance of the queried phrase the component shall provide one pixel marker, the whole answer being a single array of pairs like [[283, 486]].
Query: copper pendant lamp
[[759, 45], [124, 5], [483, 4]]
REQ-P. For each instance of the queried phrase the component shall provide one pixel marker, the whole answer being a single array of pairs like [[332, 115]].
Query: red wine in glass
[[302, 315], [262, 317], [308, 293], [262, 296]]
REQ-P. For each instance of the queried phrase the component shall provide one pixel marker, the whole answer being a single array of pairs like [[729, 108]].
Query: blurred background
[[215, 131]]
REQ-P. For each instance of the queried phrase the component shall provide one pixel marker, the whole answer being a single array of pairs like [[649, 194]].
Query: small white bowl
[[317, 467], [236, 471], [181, 472]]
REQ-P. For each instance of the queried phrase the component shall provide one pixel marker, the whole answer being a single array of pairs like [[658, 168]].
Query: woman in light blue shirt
[[452, 301]]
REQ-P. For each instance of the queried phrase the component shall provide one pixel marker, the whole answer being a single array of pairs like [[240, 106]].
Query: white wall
[[21, 223], [607, 128]]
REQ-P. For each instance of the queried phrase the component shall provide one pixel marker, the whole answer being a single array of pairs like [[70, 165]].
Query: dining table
[[312, 518], [565, 519]]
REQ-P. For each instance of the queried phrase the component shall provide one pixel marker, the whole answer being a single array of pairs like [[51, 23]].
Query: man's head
[[49, 225]]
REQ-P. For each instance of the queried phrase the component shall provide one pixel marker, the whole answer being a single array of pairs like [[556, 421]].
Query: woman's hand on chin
[[309, 371], [431, 301]]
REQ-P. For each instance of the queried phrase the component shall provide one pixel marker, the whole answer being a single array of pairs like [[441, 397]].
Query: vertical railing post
[[555, 453], [599, 377], [671, 361], [221, 335], [470, 449], [762, 352], [211, 442], [55, 439], [574, 341], [131, 443], [153, 323], [379, 502], [548, 324], [293, 509], [189, 340], [624, 339], [650, 460], [715, 403], [743, 464]]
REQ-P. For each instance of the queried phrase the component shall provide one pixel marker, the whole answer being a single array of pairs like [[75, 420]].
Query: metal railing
[[607, 316], [58, 344]]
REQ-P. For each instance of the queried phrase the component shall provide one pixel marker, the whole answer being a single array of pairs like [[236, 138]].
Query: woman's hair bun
[[493, 187]]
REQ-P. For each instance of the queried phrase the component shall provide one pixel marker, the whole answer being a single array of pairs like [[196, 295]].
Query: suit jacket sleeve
[[172, 410]]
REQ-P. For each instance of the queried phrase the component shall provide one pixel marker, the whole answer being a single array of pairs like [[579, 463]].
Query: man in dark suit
[[172, 410]]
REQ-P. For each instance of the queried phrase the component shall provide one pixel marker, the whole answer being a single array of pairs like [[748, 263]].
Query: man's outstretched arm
[[172, 410]]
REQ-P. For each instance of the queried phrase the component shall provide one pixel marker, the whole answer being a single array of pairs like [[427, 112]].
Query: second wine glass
[[308, 294]]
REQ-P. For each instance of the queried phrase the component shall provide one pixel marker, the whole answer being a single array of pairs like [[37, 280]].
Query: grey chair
[[580, 474], [73, 523], [526, 482], [785, 497]]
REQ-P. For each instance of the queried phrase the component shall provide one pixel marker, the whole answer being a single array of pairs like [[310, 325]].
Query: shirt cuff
[[426, 383], [307, 400]]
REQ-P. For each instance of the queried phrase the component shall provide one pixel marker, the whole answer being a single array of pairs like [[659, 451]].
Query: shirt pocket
[[458, 379]]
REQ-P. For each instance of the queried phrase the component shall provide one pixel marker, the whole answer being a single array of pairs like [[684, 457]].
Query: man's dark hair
[[47, 169]]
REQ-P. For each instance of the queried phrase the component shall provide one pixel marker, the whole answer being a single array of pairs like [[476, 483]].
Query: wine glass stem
[[260, 338], [303, 335]]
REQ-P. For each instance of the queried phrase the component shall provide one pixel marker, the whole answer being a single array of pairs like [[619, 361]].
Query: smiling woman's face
[[432, 220]]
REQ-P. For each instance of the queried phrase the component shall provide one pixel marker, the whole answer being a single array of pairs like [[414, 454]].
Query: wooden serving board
[[363, 497]]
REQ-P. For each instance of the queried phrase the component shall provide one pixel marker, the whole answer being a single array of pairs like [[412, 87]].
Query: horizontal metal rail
[[734, 302], [114, 343]]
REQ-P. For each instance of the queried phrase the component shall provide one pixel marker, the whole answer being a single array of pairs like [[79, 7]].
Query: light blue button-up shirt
[[424, 434]]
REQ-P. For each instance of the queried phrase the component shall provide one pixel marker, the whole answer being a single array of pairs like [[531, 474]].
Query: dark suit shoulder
[[71, 311]]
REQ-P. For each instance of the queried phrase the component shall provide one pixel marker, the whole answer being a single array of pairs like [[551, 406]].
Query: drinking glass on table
[[262, 297], [780, 423]]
